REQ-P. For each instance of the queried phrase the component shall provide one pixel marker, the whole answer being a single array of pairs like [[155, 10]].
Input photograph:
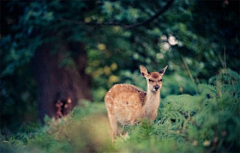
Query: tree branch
[[94, 23], [125, 26], [165, 8]]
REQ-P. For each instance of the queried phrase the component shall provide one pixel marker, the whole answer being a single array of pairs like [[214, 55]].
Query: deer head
[[154, 79]]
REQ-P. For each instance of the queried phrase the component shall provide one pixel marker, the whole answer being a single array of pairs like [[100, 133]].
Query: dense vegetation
[[91, 45], [206, 122]]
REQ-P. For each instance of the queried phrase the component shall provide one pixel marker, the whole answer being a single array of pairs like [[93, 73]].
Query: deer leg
[[113, 124]]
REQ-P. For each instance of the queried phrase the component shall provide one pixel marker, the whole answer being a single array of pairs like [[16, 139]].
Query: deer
[[127, 104]]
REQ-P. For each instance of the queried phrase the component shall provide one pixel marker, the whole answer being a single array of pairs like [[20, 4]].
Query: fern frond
[[234, 75], [186, 103], [208, 90]]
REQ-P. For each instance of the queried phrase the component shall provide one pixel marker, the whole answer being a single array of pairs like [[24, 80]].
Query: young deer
[[126, 104]]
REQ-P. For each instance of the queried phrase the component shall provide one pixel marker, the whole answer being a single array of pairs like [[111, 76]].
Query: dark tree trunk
[[56, 82]]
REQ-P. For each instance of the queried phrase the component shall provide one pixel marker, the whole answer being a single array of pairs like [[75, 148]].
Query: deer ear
[[143, 71], [162, 71]]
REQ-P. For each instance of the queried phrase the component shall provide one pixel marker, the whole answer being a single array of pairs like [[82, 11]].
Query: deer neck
[[151, 104]]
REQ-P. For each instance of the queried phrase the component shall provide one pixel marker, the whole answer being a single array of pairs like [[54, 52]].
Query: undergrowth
[[206, 122]]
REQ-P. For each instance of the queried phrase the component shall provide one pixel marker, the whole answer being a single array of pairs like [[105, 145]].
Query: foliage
[[206, 122], [186, 37]]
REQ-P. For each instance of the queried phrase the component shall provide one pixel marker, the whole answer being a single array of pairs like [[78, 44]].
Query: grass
[[205, 122]]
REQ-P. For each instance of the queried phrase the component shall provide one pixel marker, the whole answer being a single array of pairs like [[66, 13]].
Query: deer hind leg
[[111, 117], [113, 124]]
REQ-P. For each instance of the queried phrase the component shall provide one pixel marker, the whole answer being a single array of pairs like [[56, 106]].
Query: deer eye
[[150, 80], [160, 80]]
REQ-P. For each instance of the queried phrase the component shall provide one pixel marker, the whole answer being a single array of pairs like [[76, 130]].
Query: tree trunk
[[56, 82]]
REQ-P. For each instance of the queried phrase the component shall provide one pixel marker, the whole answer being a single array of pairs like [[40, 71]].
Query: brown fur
[[126, 104], [154, 75]]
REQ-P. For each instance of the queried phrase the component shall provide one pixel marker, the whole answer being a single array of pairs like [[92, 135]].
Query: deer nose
[[156, 87]]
